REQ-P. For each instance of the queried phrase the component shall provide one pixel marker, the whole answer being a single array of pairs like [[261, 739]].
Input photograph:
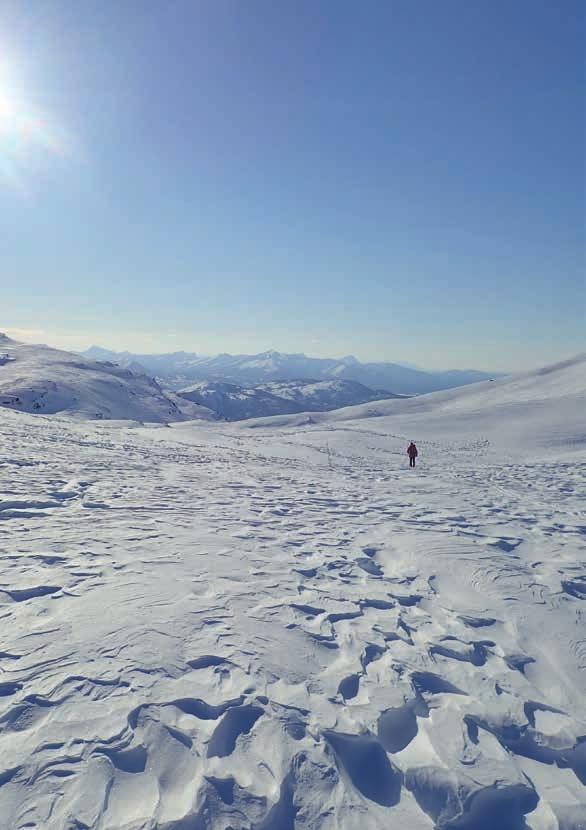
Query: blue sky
[[395, 180]]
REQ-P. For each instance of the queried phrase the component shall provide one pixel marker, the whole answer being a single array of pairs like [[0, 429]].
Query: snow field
[[282, 627]]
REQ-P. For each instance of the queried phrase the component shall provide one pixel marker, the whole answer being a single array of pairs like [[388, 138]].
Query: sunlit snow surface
[[279, 625]]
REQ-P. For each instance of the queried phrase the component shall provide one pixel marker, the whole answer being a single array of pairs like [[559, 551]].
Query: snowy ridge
[[48, 381], [213, 626], [325, 394], [234, 402]]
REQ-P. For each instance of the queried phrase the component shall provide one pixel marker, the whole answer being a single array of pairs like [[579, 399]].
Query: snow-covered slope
[[324, 395], [179, 368], [48, 381], [234, 402], [213, 626], [542, 408]]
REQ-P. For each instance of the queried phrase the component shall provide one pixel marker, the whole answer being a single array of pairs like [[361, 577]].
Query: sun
[[29, 137], [12, 114], [32, 137], [11, 95]]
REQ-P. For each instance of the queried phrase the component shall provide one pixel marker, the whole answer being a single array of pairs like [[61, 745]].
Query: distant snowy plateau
[[275, 624]]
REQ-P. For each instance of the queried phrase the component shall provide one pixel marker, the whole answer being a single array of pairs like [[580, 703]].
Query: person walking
[[412, 453]]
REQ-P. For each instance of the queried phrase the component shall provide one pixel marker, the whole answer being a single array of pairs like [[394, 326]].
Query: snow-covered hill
[[325, 395], [42, 380], [234, 402], [542, 408], [180, 368], [277, 625]]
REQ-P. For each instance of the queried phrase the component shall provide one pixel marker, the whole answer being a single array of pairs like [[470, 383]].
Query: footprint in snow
[[237, 721], [397, 727], [349, 686], [364, 761], [433, 684], [370, 567]]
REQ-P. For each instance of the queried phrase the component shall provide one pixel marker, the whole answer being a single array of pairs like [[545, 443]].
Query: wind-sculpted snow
[[210, 627]]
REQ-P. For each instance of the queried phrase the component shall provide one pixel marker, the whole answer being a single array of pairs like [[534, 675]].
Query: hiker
[[412, 453]]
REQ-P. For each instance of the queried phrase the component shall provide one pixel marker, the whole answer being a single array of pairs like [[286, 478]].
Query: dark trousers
[[411, 460]]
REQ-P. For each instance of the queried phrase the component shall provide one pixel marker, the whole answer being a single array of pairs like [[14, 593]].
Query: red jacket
[[412, 451]]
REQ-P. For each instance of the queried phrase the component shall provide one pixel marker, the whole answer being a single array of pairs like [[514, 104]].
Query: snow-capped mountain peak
[[181, 369]]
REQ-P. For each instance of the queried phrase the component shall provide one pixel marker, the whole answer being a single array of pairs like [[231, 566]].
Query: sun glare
[[11, 100], [29, 136], [28, 139], [8, 111]]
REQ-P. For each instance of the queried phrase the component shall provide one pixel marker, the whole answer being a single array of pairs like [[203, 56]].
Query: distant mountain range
[[104, 384], [179, 369], [38, 379], [234, 403]]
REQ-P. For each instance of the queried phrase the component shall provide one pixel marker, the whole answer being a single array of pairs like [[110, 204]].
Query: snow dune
[[277, 625]]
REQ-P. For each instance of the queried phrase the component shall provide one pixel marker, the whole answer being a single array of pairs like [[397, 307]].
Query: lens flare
[[28, 137], [8, 112]]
